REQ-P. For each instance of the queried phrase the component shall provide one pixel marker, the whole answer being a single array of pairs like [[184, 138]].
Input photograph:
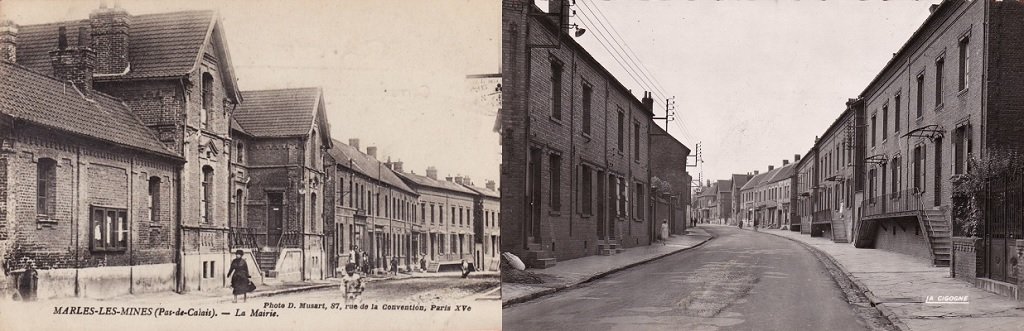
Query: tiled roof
[[238, 127], [42, 100], [783, 173], [484, 191], [711, 190], [278, 113], [724, 185], [366, 165], [160, 45], [756, 181], [739, 180], [434, 183]]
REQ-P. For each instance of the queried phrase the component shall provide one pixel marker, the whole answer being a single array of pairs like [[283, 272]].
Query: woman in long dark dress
[[239, 274]]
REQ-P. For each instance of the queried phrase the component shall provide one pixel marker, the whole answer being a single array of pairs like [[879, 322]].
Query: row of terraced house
[[578, 175], [894, 169], [131, 162]]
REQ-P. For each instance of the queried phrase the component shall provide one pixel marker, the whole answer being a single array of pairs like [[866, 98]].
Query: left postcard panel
[[249, 165]]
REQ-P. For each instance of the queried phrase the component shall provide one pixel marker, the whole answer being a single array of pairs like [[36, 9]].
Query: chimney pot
[[432, 172], [371, 151], [62, 37], [397, 165], [771, 167], [490, 185], [785, 162], [796, 157], [354, 142], [74, 64], [756, 172]]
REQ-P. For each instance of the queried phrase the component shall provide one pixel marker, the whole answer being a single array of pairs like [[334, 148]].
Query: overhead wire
[[652, 83]]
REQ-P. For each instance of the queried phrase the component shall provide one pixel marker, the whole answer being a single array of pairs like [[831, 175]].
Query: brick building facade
[[280, 138], [168, 214], [946, 97], [670, 167], [575, 175]]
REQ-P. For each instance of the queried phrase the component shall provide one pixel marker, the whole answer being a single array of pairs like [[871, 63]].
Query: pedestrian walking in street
[[239, 274], [664, 232], [756, 222], [394, 265], [352, 284], [465, 269], [423, 262]]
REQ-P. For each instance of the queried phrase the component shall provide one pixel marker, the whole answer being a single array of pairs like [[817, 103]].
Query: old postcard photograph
[[762, 165], [250, 165]]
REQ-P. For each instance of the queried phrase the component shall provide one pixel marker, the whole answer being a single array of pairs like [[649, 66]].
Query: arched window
[[207, 99], [205, 214], [239, 206], [153, 200], [46, 188], [314, 213]]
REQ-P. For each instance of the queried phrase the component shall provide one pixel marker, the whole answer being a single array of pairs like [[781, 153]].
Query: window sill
[[962, 92], [43, 219], [555, 120], [939, 107], [586, 137], [554, 213], [109, 250], [586, 215]]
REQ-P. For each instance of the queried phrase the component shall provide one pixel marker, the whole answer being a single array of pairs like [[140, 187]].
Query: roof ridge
[[284, 89], [80, 21], [55, 79]]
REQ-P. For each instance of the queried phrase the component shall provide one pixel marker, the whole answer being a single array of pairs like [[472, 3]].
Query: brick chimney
[[371, 151], [110, 27], [450, 179], [490, 185], [785, 163], [8, 40], [771, 167], [397, 166], [432, 172], [796, 157], [756, 172], [458, 180], [73, 63], [354, 142], [559, 11], [648, 101]]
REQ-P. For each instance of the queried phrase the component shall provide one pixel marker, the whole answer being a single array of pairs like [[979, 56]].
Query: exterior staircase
[[839, 230], [267, 261], [538, 257], [939, 236], [609, 247]]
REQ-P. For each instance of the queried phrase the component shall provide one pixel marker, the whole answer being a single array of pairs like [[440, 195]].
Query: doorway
[[275, 216]]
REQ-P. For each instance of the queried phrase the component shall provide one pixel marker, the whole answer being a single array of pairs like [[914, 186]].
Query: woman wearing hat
[[239, 274]]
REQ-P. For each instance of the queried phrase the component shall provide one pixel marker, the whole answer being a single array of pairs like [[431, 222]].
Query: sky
[[393, 72], [754, 81]]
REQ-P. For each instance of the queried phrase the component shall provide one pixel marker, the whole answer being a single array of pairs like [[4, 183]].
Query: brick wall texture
[[528, 122]]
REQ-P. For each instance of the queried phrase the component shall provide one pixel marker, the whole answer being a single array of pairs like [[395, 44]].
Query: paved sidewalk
[[570, 273], [898, 284], [218, 295]]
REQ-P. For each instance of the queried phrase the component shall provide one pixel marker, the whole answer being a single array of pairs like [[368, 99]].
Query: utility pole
[[670, 106]]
